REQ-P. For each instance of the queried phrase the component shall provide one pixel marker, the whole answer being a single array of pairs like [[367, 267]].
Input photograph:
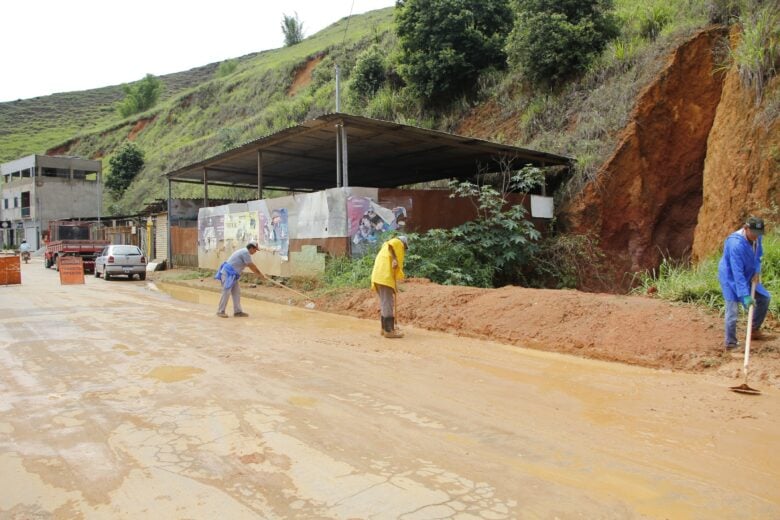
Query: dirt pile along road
[[637, 330], [122, 401]]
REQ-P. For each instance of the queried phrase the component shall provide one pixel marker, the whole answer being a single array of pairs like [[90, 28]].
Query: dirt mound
[[637, 330]]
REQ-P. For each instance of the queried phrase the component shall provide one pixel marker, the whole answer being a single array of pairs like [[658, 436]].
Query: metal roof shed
[[338, 149]]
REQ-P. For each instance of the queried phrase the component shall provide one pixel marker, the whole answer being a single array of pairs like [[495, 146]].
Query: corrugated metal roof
[[380, 154]]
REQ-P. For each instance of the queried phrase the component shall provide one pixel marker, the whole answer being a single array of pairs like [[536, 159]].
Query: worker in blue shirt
[[738, 270], [228, 274]]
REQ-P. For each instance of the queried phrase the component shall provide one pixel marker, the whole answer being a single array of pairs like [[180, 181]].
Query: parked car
[[122, 260]]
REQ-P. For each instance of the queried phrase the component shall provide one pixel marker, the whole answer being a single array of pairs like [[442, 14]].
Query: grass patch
[[698, 285]]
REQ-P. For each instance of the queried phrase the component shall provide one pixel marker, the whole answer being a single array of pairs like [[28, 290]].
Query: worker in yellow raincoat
[[388, 269]]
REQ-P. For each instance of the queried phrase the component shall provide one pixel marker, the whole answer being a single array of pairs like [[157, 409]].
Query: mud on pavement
[[120, 401]]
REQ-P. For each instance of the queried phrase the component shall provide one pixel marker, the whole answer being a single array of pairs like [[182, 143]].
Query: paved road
[[118, 400]]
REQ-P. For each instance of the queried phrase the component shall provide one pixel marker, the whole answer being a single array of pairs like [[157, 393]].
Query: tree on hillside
[[445, 44], [292, 28], [125, 165], [554, 41], [368, 75], [140, 96]]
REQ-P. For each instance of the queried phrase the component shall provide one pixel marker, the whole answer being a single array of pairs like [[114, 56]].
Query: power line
[[347, 27]]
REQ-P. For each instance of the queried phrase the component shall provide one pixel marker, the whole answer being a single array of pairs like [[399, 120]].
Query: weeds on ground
[[681, 282]]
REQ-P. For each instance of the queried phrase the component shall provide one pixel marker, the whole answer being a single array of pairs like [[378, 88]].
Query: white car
[[116, 260]]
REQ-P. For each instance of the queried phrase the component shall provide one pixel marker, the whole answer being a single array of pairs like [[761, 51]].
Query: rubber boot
[[383, 329], [392, 332]]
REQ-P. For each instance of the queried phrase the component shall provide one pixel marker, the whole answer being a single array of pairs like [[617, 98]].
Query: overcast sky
[[51, 46]]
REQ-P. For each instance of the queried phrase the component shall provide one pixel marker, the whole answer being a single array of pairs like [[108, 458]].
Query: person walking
[[228, 274], [388, 269], [739, 269]]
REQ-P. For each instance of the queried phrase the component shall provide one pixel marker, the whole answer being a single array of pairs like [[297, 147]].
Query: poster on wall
[[274, 236], [368, 220], [240, 228], [211, 232]]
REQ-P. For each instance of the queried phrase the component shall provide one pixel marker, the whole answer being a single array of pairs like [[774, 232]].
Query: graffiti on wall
[[368, 220]]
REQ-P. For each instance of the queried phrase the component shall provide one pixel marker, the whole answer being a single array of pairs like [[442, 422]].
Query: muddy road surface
[[121, 400]]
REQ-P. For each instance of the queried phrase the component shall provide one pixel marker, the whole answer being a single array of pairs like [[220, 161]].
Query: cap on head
[[252, 243], [755, 225], [405, 240]]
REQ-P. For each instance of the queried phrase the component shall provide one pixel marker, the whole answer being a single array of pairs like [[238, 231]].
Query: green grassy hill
[[202, 113]]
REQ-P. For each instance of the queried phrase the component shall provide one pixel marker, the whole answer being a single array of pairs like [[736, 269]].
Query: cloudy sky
[[51, 46]]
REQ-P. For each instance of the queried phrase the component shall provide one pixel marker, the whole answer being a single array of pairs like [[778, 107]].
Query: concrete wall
[[337, 221]]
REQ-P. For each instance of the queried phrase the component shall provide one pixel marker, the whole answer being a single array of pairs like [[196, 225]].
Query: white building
[[39, 188]]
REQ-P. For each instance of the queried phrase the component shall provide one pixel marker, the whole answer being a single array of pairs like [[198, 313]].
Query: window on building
[[16, 202], [5, 203]]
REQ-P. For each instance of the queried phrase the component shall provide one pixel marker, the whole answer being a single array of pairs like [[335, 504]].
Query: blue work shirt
[[738, 265]]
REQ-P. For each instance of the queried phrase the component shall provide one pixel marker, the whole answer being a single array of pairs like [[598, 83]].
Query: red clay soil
[[644, 202], [742, 169], [303, 76], [637, 330], [138, 127]]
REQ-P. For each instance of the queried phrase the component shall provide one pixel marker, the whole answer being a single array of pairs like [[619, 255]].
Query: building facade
[[39, 188]]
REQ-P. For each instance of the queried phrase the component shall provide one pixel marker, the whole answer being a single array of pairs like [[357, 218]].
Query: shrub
[[140, 96], [125, 165], [226, 68], [446, 43], [368, 75], [554, 41]]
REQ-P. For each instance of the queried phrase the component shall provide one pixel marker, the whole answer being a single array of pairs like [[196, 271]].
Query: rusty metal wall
[[184, 241], [432, 209]]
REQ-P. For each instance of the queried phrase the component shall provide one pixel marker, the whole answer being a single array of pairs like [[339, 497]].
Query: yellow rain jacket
[[383, 273]]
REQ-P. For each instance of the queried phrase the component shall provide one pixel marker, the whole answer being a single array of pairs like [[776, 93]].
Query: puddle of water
[[171, 374]]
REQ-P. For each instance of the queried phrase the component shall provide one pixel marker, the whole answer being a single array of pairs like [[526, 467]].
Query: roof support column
[[259, 175], [338, 155], [205, 188], [344, 156], [170, 252]]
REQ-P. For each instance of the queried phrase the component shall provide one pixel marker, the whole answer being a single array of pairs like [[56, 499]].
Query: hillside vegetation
[[403, 65]]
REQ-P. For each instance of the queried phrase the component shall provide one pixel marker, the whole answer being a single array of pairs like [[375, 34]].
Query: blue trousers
[[732, 313]]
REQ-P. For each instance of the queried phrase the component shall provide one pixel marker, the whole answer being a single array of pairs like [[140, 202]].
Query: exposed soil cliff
[[742, 168], [645, 200]]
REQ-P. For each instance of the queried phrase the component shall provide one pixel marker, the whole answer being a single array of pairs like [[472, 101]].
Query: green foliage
[[228, 136], [140, 96], [758, 54], [654, 18], [226, 68], [292, 28], [439, 256], [125, 165], [679, 282], [368, 75], [343, 271], [501, 237], [446, 43], [566, 261], [554, 41]]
